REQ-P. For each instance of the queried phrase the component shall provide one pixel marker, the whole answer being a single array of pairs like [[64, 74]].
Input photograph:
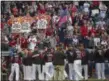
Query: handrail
[[4, 53]]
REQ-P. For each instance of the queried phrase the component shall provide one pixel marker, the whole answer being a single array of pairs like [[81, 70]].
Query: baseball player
[[41, 76], [15, 60], [36, 64], [84, 58], [32, 42], [99, 60], [78, 65], [27, 64], [70, 57], [48, 57]]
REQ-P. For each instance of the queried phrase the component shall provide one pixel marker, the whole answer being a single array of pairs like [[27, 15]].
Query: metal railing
[[4, 53]]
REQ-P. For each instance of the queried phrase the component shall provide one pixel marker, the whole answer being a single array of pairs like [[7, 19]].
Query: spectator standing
[[32, 42], [53, 41], [86, 6], [103, 10]]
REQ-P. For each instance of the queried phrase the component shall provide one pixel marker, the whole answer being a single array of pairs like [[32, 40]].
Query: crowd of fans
[[71, 24]]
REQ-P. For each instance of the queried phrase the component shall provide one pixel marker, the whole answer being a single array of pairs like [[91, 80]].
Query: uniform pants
[[36, 67], [100, 70], [65, 73], [41, 75], [49, 70], [85, 69], [71, 71], [14, 68], [27, 72], [78, 70], [58, 73]]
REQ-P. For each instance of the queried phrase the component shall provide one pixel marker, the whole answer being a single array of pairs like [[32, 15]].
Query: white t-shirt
[[69, 27], [100, 23], [32, 43], [53, 42], [55, 18], [102, 7], [75, 41], [103, 42], [86, 7], [103, 10], [70, 19], [70, 30], [6, 39], [96, 41]]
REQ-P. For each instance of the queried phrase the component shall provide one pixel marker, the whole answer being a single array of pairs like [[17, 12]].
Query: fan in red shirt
[[92, 32], [15, 11], [74, 9], [49, 31], [24, 42], [84, 30], [41, 9], [12, 43], [95, 3]]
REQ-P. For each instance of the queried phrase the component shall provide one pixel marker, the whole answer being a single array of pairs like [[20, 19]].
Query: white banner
[[25, 27], [16, 27], [42, 24]]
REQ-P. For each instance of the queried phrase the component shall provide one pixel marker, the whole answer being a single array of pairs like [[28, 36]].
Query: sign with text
[[16, 27], [25, 27], [42, 24]]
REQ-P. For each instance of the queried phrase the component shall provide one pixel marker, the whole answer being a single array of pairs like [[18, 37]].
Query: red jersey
[[74, 9], [92, 31], [84, 31], [95, 3], [12, 43], [49, 31], [16, 60], [24, 42], [15, 11]]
